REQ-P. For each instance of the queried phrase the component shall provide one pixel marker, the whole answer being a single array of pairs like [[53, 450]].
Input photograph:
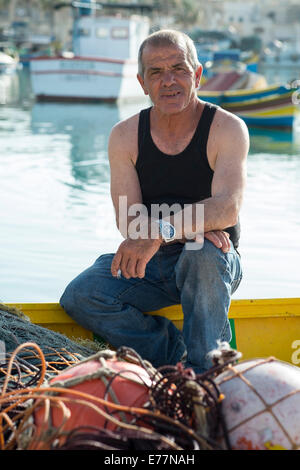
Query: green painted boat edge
[[233, 339]]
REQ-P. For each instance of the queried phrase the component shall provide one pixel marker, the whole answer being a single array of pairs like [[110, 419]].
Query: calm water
[[57, 216]]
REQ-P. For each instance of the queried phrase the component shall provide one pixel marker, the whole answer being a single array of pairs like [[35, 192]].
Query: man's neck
[[178, 122]]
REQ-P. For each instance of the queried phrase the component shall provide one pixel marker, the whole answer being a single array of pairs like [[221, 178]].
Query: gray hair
[[169, 37]]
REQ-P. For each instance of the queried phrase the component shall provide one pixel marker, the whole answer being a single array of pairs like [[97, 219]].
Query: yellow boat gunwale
[[261, 327], [239, 308]]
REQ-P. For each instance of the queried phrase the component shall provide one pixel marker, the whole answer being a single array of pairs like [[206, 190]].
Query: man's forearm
[[138, 227], [215, 213]]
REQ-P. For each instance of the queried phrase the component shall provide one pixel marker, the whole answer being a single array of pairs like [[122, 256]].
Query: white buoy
[[262, 404]]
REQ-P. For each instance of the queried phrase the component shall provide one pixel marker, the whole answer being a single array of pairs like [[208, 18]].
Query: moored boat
[[8, 64], [102, 65], [269, 106], [260, 327]]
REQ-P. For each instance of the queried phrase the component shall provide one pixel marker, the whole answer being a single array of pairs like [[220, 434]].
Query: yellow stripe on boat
[[262, 327], [268, 100], [281, 111], [210, 93], [249, 91]]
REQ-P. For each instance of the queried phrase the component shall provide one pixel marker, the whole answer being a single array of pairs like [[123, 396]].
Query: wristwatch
[[166, 230]]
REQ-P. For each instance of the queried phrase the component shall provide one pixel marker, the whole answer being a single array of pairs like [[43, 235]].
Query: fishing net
[[30, 355], [59, 350]]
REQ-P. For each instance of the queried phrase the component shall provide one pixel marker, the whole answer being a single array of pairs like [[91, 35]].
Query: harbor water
[[57, 216]]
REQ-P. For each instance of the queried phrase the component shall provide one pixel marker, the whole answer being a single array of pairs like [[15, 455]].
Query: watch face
[[167, 230]]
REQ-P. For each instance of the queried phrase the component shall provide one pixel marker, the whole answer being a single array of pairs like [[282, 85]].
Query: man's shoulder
[[228, 123], [126, 126], [123, 138], [228, 137]]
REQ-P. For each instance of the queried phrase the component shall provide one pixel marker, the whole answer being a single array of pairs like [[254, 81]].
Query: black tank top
[[184, 178]]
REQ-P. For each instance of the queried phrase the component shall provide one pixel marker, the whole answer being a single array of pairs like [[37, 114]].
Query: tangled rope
[[183, 411]]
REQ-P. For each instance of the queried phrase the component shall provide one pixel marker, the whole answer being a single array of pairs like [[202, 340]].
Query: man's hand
[[132, 257], [219, 238]]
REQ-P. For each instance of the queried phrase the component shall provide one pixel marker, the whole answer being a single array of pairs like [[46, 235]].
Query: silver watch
[[166, 230]]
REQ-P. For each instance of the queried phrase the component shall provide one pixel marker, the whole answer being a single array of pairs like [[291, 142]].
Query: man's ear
[[142, 83], [199, 75]]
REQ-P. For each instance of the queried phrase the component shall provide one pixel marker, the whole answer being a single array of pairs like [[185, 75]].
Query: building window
[[102, 32], [84, 32], [119, 33]]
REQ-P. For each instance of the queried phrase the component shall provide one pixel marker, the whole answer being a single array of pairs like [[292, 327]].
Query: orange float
[[83, 393]]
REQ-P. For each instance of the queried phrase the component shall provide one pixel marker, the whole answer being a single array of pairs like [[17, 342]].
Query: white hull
[[6, 69], [84, 78], [8, 65]]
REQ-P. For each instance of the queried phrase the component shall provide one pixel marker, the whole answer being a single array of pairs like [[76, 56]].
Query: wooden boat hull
[[238, 96], [261, 327], [277, 116], [269, 107]]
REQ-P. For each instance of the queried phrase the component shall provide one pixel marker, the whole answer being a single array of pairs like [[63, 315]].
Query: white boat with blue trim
[[103, 63]]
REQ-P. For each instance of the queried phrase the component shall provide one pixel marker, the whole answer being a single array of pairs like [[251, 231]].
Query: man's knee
[[93, 287], [79, 290], [69, 298], [208, 254], [207, 267]]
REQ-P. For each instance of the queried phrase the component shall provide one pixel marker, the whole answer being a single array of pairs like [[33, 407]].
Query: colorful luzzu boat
[[273, 106]]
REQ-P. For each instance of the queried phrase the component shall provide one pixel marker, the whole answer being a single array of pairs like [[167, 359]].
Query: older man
[[180, 151]]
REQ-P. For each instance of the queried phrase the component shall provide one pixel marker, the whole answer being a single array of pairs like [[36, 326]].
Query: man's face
[[169, 79]]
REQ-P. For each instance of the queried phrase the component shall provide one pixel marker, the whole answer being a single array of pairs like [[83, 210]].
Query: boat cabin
[[110, 37]]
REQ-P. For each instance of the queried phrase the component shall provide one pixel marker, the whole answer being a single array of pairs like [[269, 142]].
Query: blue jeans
[[201, 280]]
